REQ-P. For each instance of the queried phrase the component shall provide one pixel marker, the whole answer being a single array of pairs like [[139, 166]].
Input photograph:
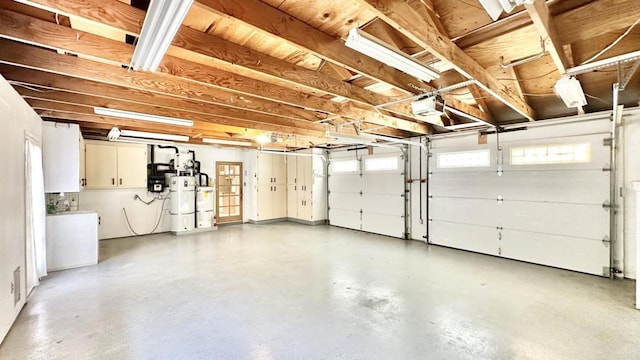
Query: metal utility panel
[[553, 214]]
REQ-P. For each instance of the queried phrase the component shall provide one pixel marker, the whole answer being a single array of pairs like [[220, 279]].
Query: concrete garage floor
[[288, 291]]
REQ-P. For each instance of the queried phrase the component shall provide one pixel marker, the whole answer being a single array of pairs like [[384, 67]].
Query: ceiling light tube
[[151, 135], [226, 142], [141, 116], [570, 91], [161, 23], [369, 45]]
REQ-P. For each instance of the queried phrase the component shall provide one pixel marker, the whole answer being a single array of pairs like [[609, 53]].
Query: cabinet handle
[[113, 181], [120, 181]]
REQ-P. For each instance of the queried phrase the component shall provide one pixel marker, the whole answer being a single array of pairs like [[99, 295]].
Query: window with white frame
[[389, 163], [464, 159], [551, 154], [344, 166]]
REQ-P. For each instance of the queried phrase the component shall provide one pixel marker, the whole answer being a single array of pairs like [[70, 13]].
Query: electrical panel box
[[155, 183]]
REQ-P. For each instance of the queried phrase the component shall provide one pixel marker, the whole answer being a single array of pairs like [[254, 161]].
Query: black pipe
[[200, 175], [168, 147]]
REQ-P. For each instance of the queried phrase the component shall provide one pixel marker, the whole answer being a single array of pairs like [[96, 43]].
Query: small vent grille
[[16, 285]]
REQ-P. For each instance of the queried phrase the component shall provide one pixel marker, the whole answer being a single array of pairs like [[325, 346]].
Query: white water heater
[[183, 203], [205, 207]]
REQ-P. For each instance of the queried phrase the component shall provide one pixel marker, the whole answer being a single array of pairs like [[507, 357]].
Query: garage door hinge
[[606, 241], [606, 142], [499, 251]]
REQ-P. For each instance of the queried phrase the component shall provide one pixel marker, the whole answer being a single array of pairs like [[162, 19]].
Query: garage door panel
[[470, 211], [550, 214], [345, 218], [587, 221], [588, 256], [390, 225], [383, 204], [467, 184], [345, 201], [587, 187], [383, 183], [464, 236], [345, 183]]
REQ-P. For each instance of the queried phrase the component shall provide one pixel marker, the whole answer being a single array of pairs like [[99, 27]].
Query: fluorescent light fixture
[[465, 125], [570, 91], [366, 44], [141, 116], [263, 139], [226, 142], [113, 134], [495, 7], [150, 135], [161, 23]]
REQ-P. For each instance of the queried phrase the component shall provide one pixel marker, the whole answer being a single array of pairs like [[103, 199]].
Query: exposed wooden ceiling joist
[[541, 17], [406, 20]]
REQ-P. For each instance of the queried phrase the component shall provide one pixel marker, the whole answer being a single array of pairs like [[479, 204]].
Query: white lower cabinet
[[72, 240]]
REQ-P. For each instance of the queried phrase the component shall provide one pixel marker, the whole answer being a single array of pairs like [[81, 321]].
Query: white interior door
[[546, 207]]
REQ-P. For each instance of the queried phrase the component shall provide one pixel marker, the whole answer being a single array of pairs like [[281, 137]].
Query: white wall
[[143, 218], [630, 162], [16, 119]]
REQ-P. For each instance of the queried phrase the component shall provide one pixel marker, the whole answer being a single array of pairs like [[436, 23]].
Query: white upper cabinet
[[63, 157]]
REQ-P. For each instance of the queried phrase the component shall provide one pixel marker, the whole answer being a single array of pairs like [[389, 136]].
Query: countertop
[[80, 212]]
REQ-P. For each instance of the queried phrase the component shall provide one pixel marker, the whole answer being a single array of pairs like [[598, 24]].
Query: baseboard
[[307, 222], [269, 221]]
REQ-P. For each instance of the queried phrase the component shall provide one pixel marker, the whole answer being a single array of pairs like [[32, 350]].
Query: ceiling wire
[[614, 43], [597, 98], [28, 87]]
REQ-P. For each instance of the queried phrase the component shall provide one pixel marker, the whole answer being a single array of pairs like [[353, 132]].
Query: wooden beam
[[539, 13], [17, 54], [71, 103], [265, 17], [270, 20], [13, 25], [81, 87], [33, 31], [479, 97], [406, 20]]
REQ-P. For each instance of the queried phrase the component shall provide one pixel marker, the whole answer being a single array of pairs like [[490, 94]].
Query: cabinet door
[[292, 166], [279, 201], [292, 201], [60, 157], [265, 202], [83, 176], [265, 169], [132, 166], [305, 174], [101, 166], [279, 169]]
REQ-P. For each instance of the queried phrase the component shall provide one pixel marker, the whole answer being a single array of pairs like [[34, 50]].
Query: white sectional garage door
[[545, 208], [366, 192]]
